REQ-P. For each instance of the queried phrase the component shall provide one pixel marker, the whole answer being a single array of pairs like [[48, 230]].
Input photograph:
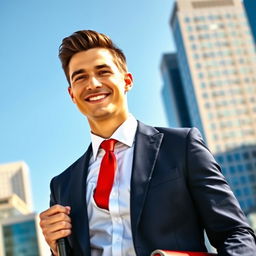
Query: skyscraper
[[217, 62], [14, 179], [250, 8]]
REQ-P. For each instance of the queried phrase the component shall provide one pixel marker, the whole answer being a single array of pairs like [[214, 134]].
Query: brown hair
[[87, 39]]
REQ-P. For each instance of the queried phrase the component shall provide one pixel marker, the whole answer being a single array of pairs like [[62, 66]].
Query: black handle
[[62, 247]]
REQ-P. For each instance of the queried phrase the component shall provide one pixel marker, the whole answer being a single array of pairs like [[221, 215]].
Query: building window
[[187, 19], [191, 37], [238, 192], [201, 75], [232, 169], [240, 168], [196, 56], [235, 181], [249, 203], [207, 105], [193, 47], [203, 85], [220, 160], [252, 177], [189, 28], [246, 191], [237, 156], [198, 65], [230, 158], [249, 166], [246, 155], [243, 180]]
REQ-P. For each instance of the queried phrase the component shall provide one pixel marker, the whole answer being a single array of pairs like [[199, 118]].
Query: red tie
[[106, 174]]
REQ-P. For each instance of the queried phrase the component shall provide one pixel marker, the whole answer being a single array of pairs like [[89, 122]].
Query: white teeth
[[99, 97]]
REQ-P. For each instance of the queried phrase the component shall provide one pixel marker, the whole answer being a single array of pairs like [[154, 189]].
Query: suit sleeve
[[53, 201], [219, 210]]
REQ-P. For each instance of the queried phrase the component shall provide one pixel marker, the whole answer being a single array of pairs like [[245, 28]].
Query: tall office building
[[250, 8], [14, 179], [217, 62]]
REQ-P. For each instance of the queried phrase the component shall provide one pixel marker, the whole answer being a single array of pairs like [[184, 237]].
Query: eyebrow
[[79, 71], [102, 66]]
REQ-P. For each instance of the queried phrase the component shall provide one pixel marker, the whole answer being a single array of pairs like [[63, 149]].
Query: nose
[[93, 83]]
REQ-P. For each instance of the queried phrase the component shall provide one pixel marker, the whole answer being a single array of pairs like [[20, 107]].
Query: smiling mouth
[[96, 98]]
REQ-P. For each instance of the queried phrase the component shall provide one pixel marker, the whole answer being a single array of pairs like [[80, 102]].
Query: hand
[[55, 223]]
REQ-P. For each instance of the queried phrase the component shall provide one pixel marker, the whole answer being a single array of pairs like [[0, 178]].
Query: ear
[[128, 82], [70, 91]]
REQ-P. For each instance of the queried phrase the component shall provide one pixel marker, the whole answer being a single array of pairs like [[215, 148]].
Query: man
[[166, 187]]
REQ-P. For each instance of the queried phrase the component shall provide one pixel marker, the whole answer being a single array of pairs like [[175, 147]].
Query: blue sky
[[39, 123]]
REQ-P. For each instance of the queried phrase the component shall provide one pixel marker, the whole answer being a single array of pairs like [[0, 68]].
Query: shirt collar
[[125, 134]]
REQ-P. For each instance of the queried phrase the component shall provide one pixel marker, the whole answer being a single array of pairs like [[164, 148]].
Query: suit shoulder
[[180, 132], [175, 134], [178, 135]]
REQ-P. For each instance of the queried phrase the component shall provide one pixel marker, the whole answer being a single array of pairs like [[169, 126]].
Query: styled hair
[[87, 39]]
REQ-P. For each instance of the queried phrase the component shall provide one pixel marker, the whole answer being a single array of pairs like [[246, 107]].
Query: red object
[[177, 253], [106, 174]]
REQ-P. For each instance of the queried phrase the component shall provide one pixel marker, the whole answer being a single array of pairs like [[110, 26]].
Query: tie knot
[[108, 145]]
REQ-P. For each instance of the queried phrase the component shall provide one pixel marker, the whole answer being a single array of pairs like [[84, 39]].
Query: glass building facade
[[20, 239], [173, 92], [217, 62], [21, 236]]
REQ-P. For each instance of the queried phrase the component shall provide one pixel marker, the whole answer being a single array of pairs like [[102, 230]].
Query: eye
[[81, 77], [104, 72]]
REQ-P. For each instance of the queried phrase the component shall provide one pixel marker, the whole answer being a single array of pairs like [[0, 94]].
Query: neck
[[106, 127]]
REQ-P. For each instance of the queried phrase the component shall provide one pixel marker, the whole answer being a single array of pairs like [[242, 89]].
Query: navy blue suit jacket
[[177, 191]]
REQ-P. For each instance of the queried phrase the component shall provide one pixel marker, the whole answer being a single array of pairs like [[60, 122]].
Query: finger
[[55, 209], [53, 219], [48, 229], [53, 237]]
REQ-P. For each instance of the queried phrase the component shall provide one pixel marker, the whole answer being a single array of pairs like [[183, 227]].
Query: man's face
[[98, 87]]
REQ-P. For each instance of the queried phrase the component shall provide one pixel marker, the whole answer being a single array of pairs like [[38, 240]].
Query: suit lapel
[[79, 206], [147, 145]]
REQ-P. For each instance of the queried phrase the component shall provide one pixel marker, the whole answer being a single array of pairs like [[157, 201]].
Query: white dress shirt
[[110, 231]]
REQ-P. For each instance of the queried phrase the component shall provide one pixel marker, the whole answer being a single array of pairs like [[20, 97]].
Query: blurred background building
[[14, 180], [211, 84], [19, 227]]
